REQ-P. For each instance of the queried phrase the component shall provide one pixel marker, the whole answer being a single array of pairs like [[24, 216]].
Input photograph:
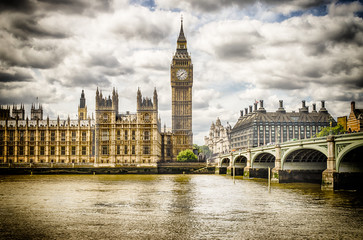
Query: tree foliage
[[338, 129], [203, 149], [187, 156]]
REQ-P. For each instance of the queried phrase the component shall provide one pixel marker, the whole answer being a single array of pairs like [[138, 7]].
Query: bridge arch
[[263, 160], [240, 159], [349, 159], [225, 162], [304, 158]]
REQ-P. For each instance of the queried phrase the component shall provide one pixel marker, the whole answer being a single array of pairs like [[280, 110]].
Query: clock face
[[181, 74]]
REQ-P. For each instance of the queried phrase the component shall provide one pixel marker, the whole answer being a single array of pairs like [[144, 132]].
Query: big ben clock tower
[[181, 76]]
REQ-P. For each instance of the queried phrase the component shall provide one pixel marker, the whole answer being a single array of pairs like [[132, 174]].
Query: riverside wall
[[159, 168]]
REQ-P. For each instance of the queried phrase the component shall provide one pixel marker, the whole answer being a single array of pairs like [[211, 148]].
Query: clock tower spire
[[181, 76]]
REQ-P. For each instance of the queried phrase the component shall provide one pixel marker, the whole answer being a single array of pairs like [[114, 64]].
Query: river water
[[173, 207]]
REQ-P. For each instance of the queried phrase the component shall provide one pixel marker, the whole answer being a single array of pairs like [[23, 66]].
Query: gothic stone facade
[[111, 137]]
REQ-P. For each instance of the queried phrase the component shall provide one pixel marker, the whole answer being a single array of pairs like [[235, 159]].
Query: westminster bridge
[[335, 161]]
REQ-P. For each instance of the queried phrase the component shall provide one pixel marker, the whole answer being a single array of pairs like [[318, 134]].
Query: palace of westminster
[[110, 138], [124, 138]]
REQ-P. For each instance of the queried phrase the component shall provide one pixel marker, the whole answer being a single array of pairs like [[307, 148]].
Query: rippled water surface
[[172, 207]]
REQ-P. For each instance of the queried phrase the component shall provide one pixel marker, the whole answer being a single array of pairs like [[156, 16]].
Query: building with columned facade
[[257, 127]]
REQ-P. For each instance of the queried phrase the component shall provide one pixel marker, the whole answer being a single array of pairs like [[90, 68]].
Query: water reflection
[[172, 207]]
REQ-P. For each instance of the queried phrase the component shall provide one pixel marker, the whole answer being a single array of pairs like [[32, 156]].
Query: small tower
[[115, 100], [18, 113], [36, 113], [4, 112], [146, 104], [82, 108], [155, 100]]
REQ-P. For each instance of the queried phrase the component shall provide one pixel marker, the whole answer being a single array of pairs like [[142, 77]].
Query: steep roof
[[358, 113], [290, 117]]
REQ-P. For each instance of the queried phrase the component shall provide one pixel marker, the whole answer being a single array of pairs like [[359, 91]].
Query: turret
[[155, 99], [36, 113], [146, 104], [18, 113], [138, 98], [107, 103], [82, 108], [115, 100]]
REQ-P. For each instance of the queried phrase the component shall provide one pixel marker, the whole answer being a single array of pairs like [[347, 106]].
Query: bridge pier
[[246, 170], [275, 177], [327, 182]]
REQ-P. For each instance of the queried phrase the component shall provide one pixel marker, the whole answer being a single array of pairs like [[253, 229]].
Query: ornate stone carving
[[340, 147]]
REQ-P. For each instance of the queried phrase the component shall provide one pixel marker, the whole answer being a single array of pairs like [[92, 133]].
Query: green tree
[[203, 149], [338, 129], [187, 156]]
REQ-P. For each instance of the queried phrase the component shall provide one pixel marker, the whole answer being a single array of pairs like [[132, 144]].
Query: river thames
[[173, 207]]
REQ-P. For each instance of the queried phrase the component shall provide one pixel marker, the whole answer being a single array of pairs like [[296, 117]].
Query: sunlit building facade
[[109, 137], [219, 138], [257, 127]]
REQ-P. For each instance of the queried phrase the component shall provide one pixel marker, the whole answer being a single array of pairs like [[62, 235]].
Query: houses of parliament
[[111, 137]]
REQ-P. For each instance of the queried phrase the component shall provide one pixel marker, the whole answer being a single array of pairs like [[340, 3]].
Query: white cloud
[[242, 51]]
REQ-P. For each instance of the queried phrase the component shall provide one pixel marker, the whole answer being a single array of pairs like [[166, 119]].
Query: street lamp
[[331, 122]]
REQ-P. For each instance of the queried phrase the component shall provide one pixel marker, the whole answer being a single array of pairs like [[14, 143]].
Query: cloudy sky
[[242, 51]]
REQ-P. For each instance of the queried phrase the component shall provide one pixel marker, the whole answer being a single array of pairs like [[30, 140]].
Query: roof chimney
[[241, 111], [261, 109], [281, 108], [314, 108], [250, 109], [303, 107], [352, 106], [246, 111], [255, 104], [323, 109]]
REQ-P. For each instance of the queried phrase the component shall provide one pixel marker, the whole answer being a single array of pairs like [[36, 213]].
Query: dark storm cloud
[[234, 50], [25, 6], [77, 6], [26, 27], [64, 6], [347, 32], [108, 65], [108, 61], [211, 6], [31, 57], [28, 92], [82, 79], [15, 77]]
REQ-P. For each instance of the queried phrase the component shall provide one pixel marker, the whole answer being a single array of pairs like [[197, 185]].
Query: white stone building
[[219, 139]]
